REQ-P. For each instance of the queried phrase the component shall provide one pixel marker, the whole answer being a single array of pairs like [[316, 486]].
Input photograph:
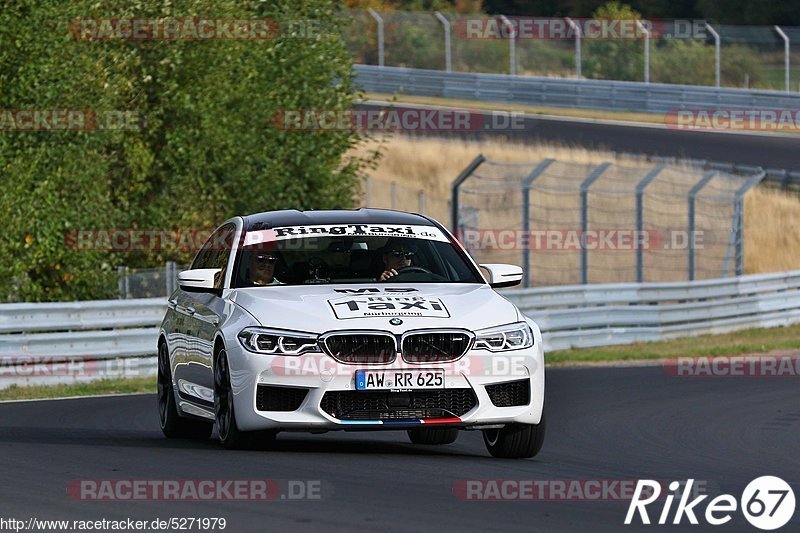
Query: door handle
[[172, 304], [191, 310]]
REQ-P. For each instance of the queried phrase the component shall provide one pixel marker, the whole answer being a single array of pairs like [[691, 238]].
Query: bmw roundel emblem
[[395, 321]]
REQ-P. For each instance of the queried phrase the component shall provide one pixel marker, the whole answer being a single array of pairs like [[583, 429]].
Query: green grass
[[106, 386], [750, 341]]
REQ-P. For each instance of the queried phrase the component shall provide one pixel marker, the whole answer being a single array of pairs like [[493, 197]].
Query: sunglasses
[[400, 254], [266, 259]]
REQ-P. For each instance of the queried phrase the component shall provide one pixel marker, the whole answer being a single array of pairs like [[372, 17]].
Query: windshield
[[300, 255]]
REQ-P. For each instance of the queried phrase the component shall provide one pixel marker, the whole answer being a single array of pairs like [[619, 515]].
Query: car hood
[[322, 308]]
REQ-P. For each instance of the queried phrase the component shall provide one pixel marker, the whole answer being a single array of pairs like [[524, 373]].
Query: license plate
[[400, 379]]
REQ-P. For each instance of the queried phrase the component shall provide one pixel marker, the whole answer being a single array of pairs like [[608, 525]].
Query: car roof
[[293, 217]]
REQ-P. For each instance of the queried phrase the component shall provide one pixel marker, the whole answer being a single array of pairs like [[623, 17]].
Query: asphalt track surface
[[609, 424], [764, 150]]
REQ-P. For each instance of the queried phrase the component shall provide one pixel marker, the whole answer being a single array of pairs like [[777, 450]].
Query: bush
[[205, 148]]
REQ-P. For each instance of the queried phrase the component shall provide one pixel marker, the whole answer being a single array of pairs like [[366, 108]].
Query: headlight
[[278, 342], [502, 338]]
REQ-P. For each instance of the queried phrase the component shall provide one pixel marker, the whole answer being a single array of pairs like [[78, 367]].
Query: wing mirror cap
[[500, 275], [199, 279]]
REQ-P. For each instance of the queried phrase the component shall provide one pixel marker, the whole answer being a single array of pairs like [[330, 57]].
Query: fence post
[[169, 269], [379, 20], [786, 51], [739, 223], [596, 173], [716, 51], [640, 187], [577, 31], [123, 284], [512, 46], [692, 197], [367, 191], [527, 183], [646, 33], [448, 61], [467, 172]]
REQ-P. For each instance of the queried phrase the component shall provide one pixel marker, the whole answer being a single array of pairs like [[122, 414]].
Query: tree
[[615, 59], [204, 147]]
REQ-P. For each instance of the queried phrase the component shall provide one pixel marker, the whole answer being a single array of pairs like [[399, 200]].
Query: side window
[[216, 251]]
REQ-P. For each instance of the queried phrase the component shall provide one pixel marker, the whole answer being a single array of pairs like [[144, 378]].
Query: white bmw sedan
[[348, 320]]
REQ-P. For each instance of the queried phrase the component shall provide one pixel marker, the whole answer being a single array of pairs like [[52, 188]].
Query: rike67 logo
[[767, 503]]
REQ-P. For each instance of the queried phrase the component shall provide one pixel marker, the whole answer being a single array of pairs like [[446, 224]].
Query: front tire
[[173, 425], [433, 436], [515, 441], [230, 435]]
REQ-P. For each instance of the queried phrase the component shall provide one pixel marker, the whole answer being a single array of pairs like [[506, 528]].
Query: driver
[[262, 268], [397, 254]]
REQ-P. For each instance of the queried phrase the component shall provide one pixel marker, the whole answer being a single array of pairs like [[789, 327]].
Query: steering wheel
[[412, 270]]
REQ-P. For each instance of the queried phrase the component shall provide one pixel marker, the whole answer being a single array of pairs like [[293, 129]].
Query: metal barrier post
[[121, 282], [526, 217], [596, 173], [467, 172], [646, 33], [640, 187], [716, 50], [421, 202], [692, 197], [512, 46], [786, 52], [752, 182], [169, 270], [447, 41], [394, 195], [379, 20], [577, 31]]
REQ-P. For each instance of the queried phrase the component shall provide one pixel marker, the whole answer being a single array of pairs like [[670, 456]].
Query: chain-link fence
[[570, 223], [690, 52], [148, 282]]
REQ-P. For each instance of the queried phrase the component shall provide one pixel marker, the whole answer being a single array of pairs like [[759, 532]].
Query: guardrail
[[569, 316], [583, 316], [563, 92]]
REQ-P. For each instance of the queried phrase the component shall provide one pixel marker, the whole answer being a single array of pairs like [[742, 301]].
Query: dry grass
[[411, 165], [772, 231]]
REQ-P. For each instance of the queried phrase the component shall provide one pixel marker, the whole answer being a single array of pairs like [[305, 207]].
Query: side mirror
[[499, 275], [199, 280]]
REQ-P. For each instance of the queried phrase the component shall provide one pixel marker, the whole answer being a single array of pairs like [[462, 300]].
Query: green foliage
[[205, 147], [615, 59], [691, 62]]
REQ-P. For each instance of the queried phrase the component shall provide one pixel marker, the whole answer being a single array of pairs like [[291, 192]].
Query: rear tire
[[173, 425], [230, 435], [515, 441], [433, 436]]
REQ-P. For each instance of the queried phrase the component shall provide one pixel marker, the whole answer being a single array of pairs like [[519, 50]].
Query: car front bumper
[[319, 374]]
